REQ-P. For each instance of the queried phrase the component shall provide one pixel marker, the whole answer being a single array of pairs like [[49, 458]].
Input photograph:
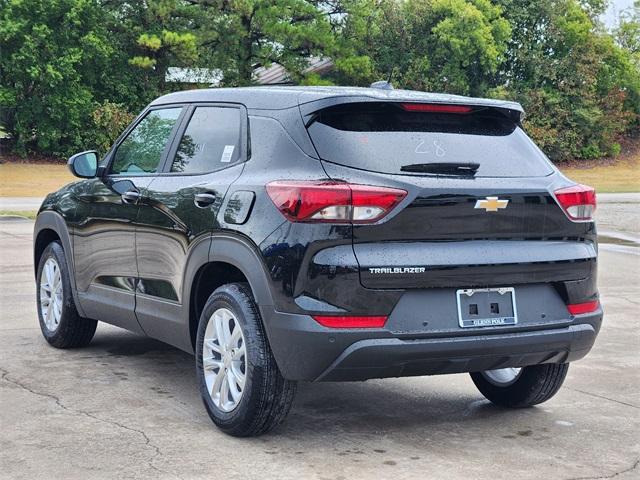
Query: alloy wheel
[[51, 294], [224, 359]]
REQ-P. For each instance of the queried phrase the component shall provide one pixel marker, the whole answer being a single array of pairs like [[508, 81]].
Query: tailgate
[[441, 239]]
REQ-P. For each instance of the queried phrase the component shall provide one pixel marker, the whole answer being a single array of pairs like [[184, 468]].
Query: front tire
[[60, 323], [240, 384], [523, 387]]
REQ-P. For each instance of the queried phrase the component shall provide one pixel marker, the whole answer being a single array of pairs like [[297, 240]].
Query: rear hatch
[[479, 209]]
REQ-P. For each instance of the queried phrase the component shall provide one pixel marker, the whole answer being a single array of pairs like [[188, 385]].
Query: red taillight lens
[[578, 202], [580, 308], [435, 108], [333, 202], [350, 322]]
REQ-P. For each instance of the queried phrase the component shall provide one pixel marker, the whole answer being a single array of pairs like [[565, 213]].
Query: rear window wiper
[[447, 168]]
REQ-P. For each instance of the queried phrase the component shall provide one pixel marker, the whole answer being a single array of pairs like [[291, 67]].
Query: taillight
[[350, 321], [578, 202], [333, 202], [580, 308], [435, 108]]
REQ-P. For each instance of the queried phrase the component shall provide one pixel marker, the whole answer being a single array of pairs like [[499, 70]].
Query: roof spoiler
[[511, 110]]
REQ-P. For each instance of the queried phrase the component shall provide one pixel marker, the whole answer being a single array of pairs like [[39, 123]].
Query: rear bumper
[[398, 358], [304, 350]]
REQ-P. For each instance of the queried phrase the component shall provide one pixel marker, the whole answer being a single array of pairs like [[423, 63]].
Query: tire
[[534, 384], [64, 328], [266, 397]]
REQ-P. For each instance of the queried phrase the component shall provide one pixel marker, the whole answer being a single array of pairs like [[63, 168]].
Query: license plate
[[486, 307]]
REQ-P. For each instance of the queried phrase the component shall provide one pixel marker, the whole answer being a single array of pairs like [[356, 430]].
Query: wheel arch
[[40, 242], [50, 226], [228, 259]]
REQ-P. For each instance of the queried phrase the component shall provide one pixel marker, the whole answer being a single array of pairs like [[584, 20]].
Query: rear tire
[[256, 397], [533, 385], [60, 323]]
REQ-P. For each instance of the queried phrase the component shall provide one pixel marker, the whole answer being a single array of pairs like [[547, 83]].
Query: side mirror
[[84, 164]]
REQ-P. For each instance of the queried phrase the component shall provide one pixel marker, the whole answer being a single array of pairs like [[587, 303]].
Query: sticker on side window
[[227, 153]]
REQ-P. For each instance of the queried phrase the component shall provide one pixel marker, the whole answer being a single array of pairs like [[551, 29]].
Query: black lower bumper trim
[[392, 357]]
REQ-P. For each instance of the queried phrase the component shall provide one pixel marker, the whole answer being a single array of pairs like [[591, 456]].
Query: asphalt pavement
[[128, 406]]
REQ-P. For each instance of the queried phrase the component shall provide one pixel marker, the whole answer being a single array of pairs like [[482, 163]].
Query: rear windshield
[[383, 137]]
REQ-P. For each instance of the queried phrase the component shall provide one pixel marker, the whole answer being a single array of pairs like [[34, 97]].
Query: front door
[[180, 209], [104, 243]]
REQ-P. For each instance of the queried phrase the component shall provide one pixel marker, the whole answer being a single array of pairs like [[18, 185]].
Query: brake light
[[435, 108], [578, 202], [350, 322], [333, 202], [580, 308]]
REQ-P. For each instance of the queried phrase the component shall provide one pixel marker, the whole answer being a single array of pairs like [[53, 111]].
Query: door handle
[[203, 200], [130, 197]]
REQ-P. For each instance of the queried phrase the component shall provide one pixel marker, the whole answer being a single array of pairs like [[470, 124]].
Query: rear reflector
[[350, 322], [578, 202], [333, 202], [580, 308], [435, 108]]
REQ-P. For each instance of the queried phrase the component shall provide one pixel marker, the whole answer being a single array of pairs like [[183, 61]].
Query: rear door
[[179, 210], [479, 209]]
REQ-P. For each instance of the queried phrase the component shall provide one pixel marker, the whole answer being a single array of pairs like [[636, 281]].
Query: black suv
[[289, 234]]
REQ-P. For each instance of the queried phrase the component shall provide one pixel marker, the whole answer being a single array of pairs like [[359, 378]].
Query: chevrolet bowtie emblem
[[491, 204]]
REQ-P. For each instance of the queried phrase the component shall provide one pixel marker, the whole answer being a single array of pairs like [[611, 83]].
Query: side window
[[141, 150], [210, 142]]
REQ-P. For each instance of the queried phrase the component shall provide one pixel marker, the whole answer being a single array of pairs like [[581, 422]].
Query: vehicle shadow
[[398, 406]]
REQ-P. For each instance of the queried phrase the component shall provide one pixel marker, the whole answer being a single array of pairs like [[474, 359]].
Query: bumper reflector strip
[[350, 322], [580, 308]]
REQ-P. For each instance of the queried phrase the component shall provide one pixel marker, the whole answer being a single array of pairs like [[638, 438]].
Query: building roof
[[275, 74], [206, 76]]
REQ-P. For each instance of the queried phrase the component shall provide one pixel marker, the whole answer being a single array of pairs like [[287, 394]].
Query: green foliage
[[315, 80], [108, 122], [53, 52], [145, 63], [71, 71], [239, 36], [579, 88], [628, 32], [439, 45], [179, 47], [152, 36]]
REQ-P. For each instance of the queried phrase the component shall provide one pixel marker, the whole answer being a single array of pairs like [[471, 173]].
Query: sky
[[610, 18]]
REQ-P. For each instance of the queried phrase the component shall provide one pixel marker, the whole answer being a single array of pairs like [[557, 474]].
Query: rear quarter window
[[383, 137]]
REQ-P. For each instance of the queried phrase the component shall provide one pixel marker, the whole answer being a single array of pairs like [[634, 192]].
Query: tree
[[156, 34], [149, 36], [239, 36], [54, 54], [72, 71], [579, 89], [628, 32], [440, 45]]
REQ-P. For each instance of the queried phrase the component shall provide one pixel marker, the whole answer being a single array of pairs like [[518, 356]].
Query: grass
[[31, 214], [38, 179], [32, 179], [621, 176]]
